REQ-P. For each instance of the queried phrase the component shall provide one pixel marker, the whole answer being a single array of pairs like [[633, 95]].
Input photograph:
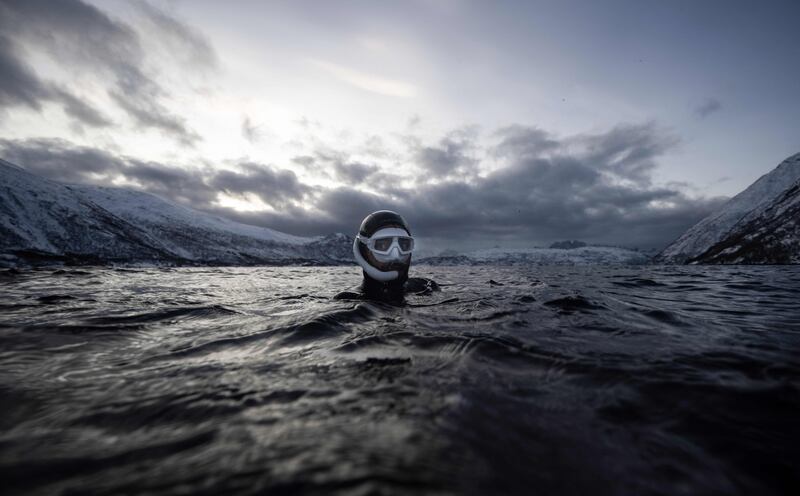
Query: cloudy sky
[[484, 123]]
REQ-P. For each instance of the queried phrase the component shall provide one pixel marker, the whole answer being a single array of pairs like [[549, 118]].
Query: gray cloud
[[181, 39], [597, 188], [336, 164], [63, 161], [593, 187], [80, 37], [303, 160], [250, 131], [628, 151], [354, 172], [522, 141], [454, 153], [60, 160], [79, 110], [707, 107], [20, 86], [188, 186], [278, 188], [146, 111]]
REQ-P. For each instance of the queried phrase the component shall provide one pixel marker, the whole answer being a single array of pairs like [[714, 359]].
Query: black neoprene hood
[[380, 219]]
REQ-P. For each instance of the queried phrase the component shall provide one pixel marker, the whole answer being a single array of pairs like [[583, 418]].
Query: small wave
[[638, 283], [494, 315], [54, 298], [10, 273], [108, 330], [326, 325], [71, 273], [166, 314], [25, 474], [570, 304], [665, 317]]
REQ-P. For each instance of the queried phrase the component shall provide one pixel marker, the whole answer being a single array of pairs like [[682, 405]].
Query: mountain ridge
[[772, 237], [43, 220], [739, 210]]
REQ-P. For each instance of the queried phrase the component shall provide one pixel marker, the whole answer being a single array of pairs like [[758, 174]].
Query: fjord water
[[513, 380]]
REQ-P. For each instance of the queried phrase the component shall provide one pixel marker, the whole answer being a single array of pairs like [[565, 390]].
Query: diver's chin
[[390, 263], [390, 266]]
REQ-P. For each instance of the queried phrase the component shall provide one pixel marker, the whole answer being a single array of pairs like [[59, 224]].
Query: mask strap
[[371, 271]]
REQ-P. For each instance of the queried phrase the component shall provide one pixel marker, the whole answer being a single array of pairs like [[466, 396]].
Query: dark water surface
[[540, 380]]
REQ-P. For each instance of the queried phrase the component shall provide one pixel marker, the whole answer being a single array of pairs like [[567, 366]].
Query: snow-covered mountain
[[772, 237], [585, 255], [43, 219], [738, 211]]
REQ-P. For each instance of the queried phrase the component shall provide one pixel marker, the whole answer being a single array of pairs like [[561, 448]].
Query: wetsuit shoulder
[[420, 285], [350, 294]]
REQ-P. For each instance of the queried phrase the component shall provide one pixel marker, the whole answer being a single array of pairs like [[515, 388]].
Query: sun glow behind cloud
[[368, 82], [243, 203]]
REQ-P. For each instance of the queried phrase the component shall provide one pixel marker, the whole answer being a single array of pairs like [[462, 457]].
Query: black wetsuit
[[370, 289]]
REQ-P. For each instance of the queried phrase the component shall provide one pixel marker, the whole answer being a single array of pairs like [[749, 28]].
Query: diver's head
[[383, 247]]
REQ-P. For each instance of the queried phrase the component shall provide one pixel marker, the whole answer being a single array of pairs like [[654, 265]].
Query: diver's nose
[[395, 253]]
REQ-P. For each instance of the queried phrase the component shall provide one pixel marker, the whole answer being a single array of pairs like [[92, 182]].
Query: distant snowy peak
[[585, 255], [739, 210], [772, 237]]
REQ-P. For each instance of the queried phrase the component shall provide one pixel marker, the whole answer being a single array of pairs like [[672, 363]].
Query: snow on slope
[[195, 235], [96, 224], [148, 209], [22, 218], [44, 216], [740, 209], [773, 237]]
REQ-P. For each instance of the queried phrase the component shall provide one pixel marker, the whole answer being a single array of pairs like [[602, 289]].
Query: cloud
[[79, 110], [179, 38], [368, 82], [707, 107], [81, 40], [453, 154], [627, 151], [522, 141], [141, 103], [354, 172], [303, 160], [188, 186], [61, 160], [594, 187], [20, 86], [278, 188], [335, 164], [250, 132]]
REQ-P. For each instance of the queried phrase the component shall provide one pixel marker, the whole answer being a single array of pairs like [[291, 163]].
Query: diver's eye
[[383, 244], [406, 244]]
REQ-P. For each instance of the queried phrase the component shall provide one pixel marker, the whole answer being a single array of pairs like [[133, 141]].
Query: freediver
[[383, 248]]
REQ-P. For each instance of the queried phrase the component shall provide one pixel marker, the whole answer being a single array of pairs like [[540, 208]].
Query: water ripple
[[513, 380]]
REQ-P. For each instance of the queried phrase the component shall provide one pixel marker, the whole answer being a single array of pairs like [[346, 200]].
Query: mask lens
[[406, 244], [383, 244]]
